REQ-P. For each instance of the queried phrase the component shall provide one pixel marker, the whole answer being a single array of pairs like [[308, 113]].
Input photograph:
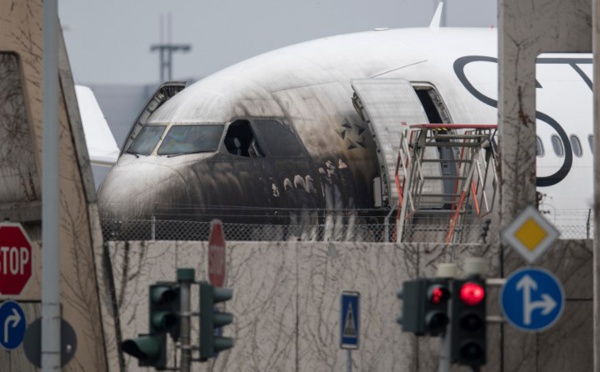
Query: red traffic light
[[438, 294], [472, 293]]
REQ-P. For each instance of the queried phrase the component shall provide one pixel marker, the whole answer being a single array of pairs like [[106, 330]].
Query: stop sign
[[15, 259], [216, 254]]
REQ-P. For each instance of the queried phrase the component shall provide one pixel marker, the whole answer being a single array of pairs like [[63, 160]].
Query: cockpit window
[[190, 139], [278, 139], [240, 140], [146, 140]]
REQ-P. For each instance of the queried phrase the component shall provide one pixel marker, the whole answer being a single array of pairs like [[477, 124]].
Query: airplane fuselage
[[281, 132]]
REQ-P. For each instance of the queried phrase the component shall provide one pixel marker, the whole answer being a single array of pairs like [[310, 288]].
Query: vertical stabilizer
[[101, 144], [436, 21]]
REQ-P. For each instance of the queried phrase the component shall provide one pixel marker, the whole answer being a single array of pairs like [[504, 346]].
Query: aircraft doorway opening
[[437, 113], [434, 106], [241, 141]]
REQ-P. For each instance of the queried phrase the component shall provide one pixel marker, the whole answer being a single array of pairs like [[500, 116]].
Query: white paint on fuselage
[[250, 88]]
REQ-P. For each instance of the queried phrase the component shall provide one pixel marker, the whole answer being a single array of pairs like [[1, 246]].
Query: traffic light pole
[[446, 270], [170, 314], [185, 277], [445, 361]]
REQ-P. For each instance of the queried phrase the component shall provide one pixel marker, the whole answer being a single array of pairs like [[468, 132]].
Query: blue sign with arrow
[[13, 323], [532, 299]]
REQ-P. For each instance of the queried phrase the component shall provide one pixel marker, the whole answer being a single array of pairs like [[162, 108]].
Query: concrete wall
[[287, 303], [21, 155]]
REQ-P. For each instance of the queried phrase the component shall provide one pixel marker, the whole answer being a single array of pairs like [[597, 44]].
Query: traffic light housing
[[211, 319], [151, 349], [468, 328], [425, 306], [411, 318], [164, 309]]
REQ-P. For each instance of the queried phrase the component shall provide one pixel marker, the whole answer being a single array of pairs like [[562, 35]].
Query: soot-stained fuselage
[[279, 132]]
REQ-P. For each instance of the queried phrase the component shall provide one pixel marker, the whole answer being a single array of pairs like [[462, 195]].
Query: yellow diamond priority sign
[[530, 234]]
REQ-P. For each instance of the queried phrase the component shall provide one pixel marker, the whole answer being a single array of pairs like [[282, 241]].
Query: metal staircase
[[448, 170]]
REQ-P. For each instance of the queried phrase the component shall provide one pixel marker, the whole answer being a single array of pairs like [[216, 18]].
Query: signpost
[[349, 323], [216, 254], [12, 325], [15, 259], [532, 299]]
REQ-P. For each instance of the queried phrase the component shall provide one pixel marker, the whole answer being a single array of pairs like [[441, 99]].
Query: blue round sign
[[532, 299], [12, 325]]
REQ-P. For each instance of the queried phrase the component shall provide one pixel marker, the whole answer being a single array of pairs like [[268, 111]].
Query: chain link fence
[[319, 226], [332, 229]]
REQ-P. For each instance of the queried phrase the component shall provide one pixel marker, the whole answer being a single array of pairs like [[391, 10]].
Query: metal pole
[[162, 64], [170, 63], [50, 192], [445, 345], [348, 360], [387, 226], [596, 241], [185, 277], [153, 228], [446, 270]]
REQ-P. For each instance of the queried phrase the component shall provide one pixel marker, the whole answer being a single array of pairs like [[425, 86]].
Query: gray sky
[[108, 41]]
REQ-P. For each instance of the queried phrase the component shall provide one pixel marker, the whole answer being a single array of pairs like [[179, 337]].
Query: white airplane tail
[[101, 144]]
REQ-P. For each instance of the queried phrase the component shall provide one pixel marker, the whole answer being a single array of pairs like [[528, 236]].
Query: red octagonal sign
[[216, 254], [15, 259]]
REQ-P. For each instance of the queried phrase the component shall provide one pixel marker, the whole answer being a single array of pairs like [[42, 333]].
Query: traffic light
[[151, 349], [211, 320], [468, 321], [425, 306], [411, 318], [164, 309], [437, 297]]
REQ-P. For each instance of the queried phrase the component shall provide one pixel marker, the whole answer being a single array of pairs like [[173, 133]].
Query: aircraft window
[[557, 145], [240, 140], [539, 147], [576, 145], [191, 139], [146, 140], [591, 141], [278, 139]]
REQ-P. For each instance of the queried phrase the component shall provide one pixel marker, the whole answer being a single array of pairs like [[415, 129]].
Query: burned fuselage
[[247, 145], [267, 139]]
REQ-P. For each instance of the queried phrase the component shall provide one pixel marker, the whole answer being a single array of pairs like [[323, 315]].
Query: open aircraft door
[[388, 106]]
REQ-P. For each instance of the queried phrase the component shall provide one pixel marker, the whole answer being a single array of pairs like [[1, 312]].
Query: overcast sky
[[109, 41]]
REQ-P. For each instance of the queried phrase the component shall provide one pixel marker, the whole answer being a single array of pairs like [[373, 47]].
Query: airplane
[[304, 134]]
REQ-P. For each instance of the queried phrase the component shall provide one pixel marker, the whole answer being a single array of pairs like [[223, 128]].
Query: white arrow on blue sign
[[350, 320], [13, 323], [532, 299]]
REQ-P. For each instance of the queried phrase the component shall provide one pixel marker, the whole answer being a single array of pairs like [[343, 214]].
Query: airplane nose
[[138, 192]]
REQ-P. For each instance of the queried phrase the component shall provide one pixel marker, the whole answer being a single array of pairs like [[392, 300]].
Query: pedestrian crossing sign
[[350, 320]]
